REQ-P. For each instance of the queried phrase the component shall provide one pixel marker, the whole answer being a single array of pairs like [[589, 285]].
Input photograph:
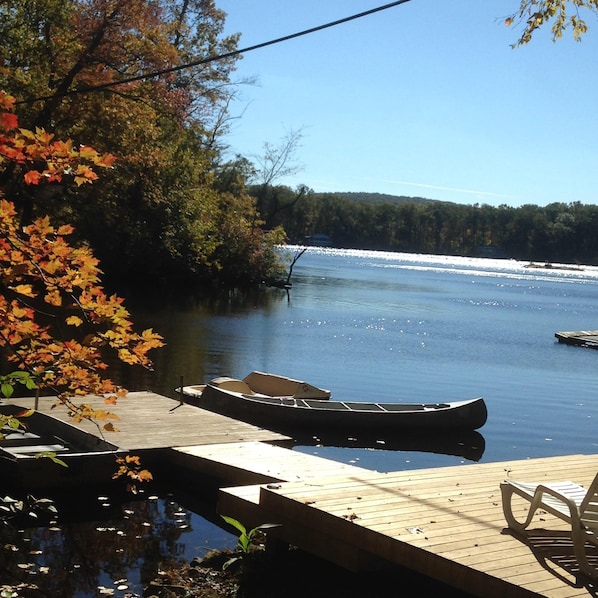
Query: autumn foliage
[[151, 81], [57, 325]]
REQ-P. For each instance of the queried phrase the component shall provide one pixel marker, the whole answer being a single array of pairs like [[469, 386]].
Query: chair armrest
[[538, 501]]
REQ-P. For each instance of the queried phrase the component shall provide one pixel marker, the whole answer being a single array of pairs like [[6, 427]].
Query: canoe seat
[[567, 501], [232, 384], [281, 386]]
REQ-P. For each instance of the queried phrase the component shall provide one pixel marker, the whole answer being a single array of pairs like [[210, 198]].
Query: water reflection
[[203, 335], [103, 545], [468, 444]]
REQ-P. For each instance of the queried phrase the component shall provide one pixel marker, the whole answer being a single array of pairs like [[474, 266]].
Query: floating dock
[[580, 338], [445, 523]]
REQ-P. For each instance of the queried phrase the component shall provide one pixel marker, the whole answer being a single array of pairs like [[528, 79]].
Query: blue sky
[[426, 99]]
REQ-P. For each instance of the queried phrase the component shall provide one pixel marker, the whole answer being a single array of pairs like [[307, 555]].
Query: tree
[[56, 321], [275, 163], [562, 14], [138, 78]]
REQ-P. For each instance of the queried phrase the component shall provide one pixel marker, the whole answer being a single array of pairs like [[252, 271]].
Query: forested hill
[[558, 232], [377, 198]]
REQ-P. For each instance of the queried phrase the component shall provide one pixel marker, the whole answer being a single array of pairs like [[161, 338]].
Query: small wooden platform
[[580, 338]]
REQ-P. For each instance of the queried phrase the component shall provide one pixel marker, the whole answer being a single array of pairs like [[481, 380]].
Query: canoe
[[88, 458], [235, 398]]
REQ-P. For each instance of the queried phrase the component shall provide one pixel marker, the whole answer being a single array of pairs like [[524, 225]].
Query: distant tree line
[[559, 232]]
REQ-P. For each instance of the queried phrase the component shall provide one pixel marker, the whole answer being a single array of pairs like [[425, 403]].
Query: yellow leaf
[[24, 289], [54, 298], [74, 321]]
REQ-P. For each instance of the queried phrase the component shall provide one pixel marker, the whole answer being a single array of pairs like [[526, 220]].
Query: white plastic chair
[[567, 501]]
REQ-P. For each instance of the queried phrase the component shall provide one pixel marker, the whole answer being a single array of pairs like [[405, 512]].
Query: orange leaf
[[7, 101], [32, 177], [65, 229], [44, 136], [145, 476], [8, 121]]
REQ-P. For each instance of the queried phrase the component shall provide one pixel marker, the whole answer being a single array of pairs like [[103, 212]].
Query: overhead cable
[[154, 74]]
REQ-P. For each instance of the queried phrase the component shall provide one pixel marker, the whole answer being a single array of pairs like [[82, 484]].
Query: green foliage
[[52, 456], [245, 537], [11, 423], [18, 377]]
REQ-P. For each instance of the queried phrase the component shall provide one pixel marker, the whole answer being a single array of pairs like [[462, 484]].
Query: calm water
[[384, 327], [399, 327]]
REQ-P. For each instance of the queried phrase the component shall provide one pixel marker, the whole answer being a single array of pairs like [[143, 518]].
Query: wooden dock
[[147, 420], [580, 338], [445, 523]]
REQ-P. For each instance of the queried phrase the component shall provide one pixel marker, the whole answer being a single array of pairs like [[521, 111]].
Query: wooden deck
[[580, 338], [445, 523]]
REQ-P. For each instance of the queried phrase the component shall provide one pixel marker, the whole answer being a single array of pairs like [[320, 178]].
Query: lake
[[370, 326], [391, 327]]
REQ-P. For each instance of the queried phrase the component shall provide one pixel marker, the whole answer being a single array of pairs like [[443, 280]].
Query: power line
[[181, 67]]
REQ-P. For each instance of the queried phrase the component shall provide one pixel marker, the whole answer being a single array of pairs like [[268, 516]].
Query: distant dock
[[445, 523], [580, 338]]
